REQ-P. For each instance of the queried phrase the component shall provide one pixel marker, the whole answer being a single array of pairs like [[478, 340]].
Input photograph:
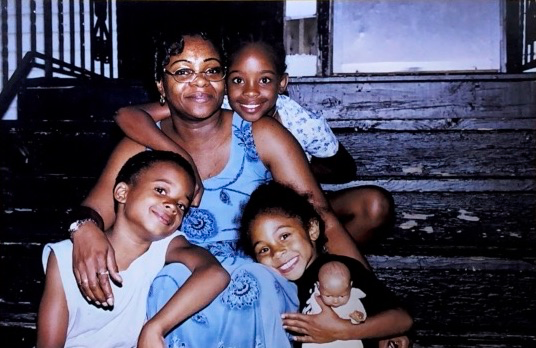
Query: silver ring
[[103, 273]]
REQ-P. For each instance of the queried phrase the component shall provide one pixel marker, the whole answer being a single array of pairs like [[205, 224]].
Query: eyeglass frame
[[195, 74]]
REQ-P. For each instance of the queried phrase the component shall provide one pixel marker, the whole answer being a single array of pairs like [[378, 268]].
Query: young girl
[[281, 229], [153, 191], [256, 80]]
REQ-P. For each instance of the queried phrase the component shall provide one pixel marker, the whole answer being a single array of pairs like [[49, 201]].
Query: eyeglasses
[[188, 75]]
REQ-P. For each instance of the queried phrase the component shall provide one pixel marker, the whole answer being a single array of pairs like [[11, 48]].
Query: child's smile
[[253, 84], [282, 243], [159, 199]]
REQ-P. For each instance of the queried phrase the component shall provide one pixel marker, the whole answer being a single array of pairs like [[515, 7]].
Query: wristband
[[75, 226], [81, 215]]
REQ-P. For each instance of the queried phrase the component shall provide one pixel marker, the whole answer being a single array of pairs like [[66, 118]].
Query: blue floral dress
[[248, 312]]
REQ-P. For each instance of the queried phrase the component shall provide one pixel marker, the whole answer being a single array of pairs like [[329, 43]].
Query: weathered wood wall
[[458, 154], [457, 151]]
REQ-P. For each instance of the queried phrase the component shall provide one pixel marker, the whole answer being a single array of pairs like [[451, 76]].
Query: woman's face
[[200, 98]]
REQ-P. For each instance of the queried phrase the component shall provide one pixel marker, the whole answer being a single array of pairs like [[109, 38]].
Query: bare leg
[[367, 212]]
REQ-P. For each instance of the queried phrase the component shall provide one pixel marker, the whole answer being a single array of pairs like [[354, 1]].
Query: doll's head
[[334, 283]]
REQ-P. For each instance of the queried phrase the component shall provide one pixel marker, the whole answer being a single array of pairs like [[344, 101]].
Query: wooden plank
[[42, 148], [444, 223], [443, 294], [462, 301], [378, 153], [28, 192], [18, 337], [95, 100], [443, 185], [478, 220], [418, 97], [457, 123], [440, 154]]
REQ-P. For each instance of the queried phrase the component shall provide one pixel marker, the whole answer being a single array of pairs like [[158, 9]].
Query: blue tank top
[[214, 224]]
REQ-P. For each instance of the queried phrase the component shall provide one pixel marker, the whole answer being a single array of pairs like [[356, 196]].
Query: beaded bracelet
[[81, 215]]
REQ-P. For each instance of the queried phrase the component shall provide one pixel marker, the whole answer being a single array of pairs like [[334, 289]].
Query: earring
[[162, 100]]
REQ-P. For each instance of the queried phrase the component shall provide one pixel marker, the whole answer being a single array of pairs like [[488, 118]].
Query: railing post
[[325, 36], [61, 38], [5, 63], [101, 44], [47, 8], [514, 36]]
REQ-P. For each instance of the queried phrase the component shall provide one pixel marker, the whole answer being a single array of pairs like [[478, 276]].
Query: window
[[383, 36]]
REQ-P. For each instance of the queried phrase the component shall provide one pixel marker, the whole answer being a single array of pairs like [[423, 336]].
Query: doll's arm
[[207, 280], [53, 314]]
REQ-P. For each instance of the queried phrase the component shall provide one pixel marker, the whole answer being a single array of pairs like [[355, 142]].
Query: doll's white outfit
[[354, 304]]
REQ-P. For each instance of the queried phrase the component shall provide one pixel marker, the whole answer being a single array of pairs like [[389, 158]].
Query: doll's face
[[334, 289]]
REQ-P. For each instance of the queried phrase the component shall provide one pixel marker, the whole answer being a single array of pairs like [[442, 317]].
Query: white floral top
[[309, 128]]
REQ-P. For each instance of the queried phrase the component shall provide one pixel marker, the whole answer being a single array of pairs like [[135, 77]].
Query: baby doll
[[334, 286]]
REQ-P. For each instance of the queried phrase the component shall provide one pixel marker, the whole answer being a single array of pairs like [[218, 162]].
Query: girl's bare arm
[[207, 280], [53, 315], [138, 122], [328, 327]]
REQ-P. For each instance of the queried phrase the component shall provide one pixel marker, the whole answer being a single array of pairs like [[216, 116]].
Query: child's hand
[[316, 328], [395, 342], [150, 337]]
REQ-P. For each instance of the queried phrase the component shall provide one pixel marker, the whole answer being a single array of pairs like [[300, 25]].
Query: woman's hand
[[94, 264], [151, 337], [316, 328]]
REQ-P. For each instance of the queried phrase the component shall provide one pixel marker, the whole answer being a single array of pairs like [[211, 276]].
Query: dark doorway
[[139, 21]]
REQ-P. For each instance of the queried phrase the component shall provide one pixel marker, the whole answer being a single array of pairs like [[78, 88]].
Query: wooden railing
[[520, 35], [69, 36]]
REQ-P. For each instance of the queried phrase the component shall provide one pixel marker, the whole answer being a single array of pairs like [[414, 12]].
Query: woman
[[232, 157]]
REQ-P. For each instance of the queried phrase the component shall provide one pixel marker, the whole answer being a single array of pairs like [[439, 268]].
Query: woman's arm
[[207, 280], [328, 327], [281, 153], [337, 169], [53, 315], [92, 253], [138, 123]]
